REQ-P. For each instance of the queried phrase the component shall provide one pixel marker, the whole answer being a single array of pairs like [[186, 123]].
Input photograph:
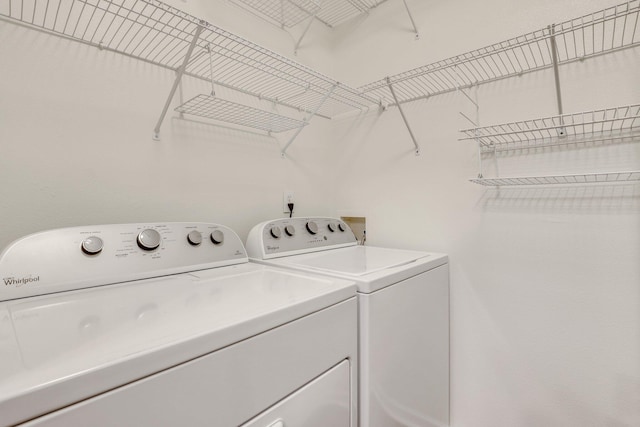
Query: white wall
[[545, 282]]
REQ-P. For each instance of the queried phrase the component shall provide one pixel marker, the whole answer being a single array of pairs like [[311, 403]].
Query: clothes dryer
[[166, 325], [403, 300]]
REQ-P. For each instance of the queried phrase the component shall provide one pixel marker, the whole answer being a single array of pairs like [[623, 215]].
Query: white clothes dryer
[[169, 325], [403, 300]]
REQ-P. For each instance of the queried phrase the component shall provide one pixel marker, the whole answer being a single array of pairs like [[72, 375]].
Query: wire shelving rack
[[603, 125], [589, 178], [154, 32], [287, 13], [212, 107], [601, 32], [284, 13]]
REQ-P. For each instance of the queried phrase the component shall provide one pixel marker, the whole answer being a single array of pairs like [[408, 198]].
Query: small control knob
[[290, 230], [275, 232], [312, 227], [92, 245], [149, 239], [217, 237], [331, 227], [341, 227], [194, 237]]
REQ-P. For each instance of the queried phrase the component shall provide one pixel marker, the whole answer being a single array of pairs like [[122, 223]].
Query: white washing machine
[[403, 300], [169, 325]]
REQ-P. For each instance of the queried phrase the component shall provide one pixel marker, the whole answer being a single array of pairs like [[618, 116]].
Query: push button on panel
[[92, 245]]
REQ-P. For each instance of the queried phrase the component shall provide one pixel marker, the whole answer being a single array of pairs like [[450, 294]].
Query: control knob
[[331, 227], [217, 237], [342, 227], [92, 245], [275, 232], [149, 239], [194, 237], [312, 227], [290, 230]]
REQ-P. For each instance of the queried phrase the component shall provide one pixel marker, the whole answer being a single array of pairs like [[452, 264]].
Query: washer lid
[[372, 268], [356, 260], [59, 349]]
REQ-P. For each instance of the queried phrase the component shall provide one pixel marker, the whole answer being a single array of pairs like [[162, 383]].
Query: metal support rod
[[326, 96], [411, 18], [304, 33], [180, 72], [556, 75], [404, 118]]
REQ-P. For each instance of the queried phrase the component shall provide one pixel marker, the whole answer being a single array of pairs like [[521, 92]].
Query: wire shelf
[[608, 30], [154, 32], [285, 13], [211, 107], [590, 178], [288, 13], [335, 12], [599, 125]]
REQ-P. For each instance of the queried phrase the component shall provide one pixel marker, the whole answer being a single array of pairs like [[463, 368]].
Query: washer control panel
[[80, 257], [289, 236]]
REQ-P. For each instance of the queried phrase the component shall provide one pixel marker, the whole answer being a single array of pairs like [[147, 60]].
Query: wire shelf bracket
[[404, 118], [179, 74], [306, 121]]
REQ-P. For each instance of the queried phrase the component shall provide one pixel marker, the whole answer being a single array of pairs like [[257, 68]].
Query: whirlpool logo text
[[12, 281]]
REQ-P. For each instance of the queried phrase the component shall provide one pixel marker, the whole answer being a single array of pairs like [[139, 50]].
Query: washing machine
[[166, 325], [403, 303]]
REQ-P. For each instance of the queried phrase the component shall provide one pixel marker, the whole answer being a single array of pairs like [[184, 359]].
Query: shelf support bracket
[[404, 118], [556, 74], [306, 120], [304, 33], [406, 6], [180, 72]]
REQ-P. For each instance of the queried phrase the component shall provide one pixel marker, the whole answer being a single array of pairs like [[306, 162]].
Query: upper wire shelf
[[604, 31], [589, 178], [212, 107], [154, 32], [287, 13], [599, 125]]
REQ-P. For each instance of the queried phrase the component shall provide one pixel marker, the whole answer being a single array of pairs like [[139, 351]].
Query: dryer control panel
[[291, 236], [82, 257]]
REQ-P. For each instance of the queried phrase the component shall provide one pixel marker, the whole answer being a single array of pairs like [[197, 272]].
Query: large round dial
[[149, 239], [275, 232], [290, 230], [92, 245], [312, 227], [217, 237], [194, 237]]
